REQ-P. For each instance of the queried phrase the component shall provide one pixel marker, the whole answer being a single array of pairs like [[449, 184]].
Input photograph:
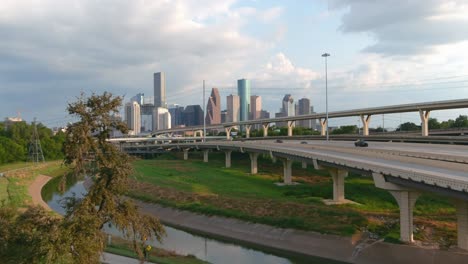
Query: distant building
[[255, 107], [133, 117], [287, 109], [303, 108], [139, 98], [213, 108], [160, 90], [176, 115], [264, 114], [223, 116], [147, 117], [243, 90], [161, 119], [233, 108], [193, 115], [288, 105]]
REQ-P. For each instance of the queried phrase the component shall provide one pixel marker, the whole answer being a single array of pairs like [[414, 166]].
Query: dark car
[[304, 142], [279, 141], [361, 143]]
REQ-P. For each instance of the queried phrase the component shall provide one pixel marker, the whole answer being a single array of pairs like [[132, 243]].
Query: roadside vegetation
[[214, 190]]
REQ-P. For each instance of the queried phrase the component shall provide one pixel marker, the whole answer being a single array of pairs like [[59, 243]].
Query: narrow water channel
[[182, 242]]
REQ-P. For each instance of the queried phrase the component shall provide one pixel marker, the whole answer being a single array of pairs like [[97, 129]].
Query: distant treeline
[[15, 138]]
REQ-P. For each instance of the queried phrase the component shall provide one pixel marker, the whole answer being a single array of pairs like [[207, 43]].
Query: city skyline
[[394, 53]]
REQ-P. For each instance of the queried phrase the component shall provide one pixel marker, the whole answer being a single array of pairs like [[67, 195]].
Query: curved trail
[[35, 191]]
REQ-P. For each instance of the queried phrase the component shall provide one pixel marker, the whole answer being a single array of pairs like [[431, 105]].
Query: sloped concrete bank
[[301, 242]]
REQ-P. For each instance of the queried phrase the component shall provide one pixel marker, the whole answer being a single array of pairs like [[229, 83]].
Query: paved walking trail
[[35, 191]]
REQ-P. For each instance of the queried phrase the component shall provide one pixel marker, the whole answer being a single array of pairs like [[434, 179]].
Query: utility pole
[[35, 149]]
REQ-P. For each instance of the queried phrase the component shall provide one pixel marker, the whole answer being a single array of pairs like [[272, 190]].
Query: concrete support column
[[304, 165], [406, 200], [253, 163], [247, 131], [424, 122], [186, 154], [265, 129], [205, 155], [228, 158], [365, 124], [323, 126], [287, 171], [228, 132], [290, 128], [338, 176], [462, 224]]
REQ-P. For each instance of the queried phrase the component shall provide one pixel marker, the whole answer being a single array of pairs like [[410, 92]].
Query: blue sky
[[382, 52]]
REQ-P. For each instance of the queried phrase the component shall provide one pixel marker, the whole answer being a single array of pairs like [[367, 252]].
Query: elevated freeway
[[404, 169], [365, 114]]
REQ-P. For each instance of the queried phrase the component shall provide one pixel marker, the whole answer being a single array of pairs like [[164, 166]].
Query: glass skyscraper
[[243, 89]]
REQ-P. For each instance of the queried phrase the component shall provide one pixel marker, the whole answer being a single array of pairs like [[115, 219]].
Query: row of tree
[[460, 122], [15, 138]]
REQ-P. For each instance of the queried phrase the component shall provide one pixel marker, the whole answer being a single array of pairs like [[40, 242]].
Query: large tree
[[89, 153]]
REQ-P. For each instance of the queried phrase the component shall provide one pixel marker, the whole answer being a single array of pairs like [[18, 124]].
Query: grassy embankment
[[214, 190], [17, 178]]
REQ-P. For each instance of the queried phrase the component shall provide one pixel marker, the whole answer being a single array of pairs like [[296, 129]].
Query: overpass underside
[[425, 172]]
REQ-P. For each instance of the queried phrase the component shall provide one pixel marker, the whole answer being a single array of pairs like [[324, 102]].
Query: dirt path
[[35, 191]]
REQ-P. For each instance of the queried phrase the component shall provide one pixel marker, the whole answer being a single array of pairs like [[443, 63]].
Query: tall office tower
[[133, 117], [255, 107], [232, 108], [303, 108], [193, 115], [213, 108], [161, 118], [288, 105], [243, 90], [139, 98], [159, 90]]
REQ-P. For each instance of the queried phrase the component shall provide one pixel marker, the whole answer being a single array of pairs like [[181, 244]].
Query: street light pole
[[204, 113], [326, 91]]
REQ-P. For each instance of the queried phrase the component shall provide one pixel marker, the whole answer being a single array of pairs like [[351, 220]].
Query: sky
[[383, 52]]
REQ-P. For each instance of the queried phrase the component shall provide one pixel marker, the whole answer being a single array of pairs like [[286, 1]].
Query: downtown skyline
[[381, 53]]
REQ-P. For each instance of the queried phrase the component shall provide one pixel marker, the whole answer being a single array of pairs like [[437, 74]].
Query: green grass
[[211, 189], [124, 250], [14, 187], [14, 166]]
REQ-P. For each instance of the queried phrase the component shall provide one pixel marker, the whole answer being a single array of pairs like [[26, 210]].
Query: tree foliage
[[88, 153], [39, 237], [15, 138]]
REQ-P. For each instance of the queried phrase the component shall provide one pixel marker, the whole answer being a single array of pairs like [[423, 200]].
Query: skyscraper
[[193, 115], [288, 105], [133, 117], [159, 90], [243, 90], [303, 108], [232, 108], [161, 118], [213, 108], [255, 107]]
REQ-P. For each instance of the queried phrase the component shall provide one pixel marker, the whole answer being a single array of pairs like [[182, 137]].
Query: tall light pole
[[326, 90], [204, 113]]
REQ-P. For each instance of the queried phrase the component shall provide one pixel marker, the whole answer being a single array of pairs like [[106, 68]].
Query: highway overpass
[[404, 169], [365, 114]]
